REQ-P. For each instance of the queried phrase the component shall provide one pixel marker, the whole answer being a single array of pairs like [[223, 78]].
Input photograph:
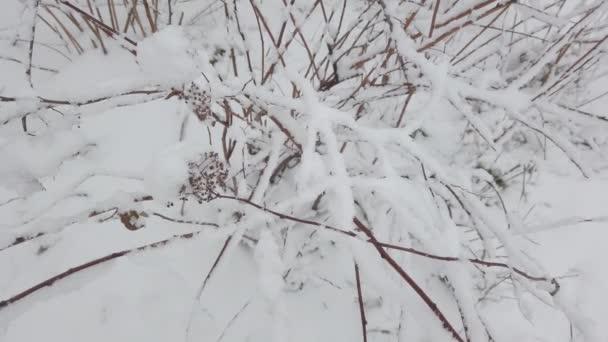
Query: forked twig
[[410, 281]]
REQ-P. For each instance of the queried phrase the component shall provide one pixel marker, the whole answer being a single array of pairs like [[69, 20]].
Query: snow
[[271, 284], [164, 57], [168, 171], [480, 181], [270, 266], [16, 178], [102, 79]]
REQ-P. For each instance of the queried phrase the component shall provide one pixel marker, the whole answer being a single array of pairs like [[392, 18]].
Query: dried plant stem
[[107, 29], [215, 263], [371, 239], [410, 281], [395, 247], [435, 10], [50, 281], [30, 55], [361, 306], [199, 293]]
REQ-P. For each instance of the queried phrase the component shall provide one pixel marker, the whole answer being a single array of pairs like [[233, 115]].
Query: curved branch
[[395, 247]]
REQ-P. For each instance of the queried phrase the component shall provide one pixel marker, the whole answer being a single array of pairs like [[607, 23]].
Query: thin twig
[[107, 29], [435, 10], [361, 307], [232, 320], [388, 245], [28, 70], [410, 281], [215, 263], [51, 281], [199, 293]]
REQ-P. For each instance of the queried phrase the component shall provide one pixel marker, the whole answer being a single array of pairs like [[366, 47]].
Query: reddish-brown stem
[[361, 307], [405, 104], [390, 246], [81, 103], [50, 281], [463, 14], [149, 16], [409, 280], [478, 34], [460, 27], [107, 29], [435, 10], [215, 263]]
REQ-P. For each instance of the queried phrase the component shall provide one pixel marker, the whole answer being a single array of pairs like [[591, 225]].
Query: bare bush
[[389, 130]]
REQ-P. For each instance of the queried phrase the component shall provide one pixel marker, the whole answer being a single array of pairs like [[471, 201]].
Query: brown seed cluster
[[205, 177], [198, 100]]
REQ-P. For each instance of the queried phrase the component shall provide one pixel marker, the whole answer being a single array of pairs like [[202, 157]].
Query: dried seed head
[[198, 100], [206, 176]]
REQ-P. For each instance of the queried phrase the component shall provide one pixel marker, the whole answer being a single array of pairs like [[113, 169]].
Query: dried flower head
[[198, 100], [206, 176]]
